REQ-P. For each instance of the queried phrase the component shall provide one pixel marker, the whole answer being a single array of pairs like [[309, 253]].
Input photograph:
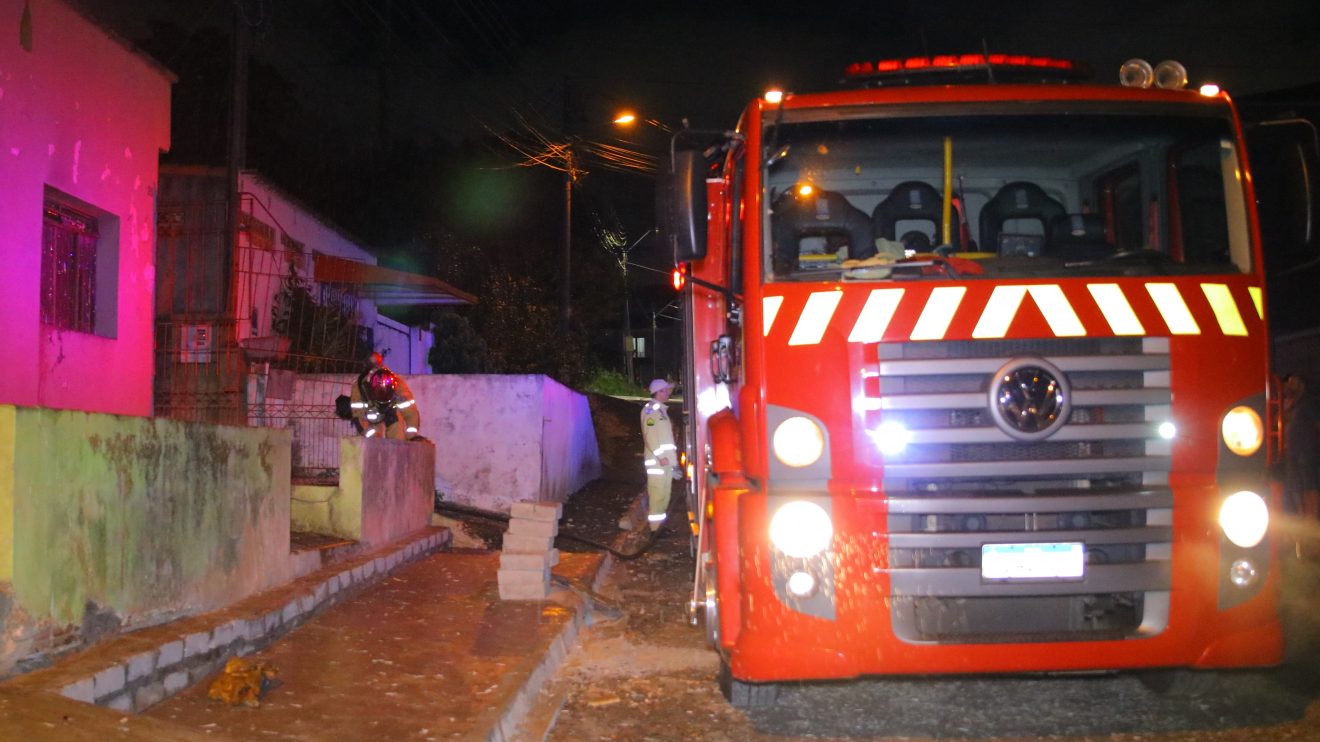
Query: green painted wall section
[[7, 433], [150, 518]]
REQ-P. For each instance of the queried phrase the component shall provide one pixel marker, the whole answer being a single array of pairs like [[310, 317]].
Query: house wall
[[405, 348], [83, 114], [272, 207], [118, 521]]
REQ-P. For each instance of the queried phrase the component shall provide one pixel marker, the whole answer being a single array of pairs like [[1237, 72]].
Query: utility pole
[[237, 135], [566, 284], [565, 306]]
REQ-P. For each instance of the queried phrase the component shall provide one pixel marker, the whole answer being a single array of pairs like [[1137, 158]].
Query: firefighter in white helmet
[[383, 405], [659, 452]]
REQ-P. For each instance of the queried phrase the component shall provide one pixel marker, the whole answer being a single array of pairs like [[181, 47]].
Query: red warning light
[[678, 278]]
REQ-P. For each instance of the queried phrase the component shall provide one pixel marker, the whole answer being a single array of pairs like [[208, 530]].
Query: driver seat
[[821, 214]]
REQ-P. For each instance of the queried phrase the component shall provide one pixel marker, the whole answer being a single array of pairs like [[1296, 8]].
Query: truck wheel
[[742, 695], [1180, 683]]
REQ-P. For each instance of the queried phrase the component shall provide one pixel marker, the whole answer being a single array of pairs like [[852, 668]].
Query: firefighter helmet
[[381, 385]]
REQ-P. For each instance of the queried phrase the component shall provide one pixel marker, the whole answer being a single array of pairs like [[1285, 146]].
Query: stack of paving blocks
[[529, 552]]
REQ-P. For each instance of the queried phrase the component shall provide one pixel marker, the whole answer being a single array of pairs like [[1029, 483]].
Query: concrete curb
[[138, 670], [509, 726]]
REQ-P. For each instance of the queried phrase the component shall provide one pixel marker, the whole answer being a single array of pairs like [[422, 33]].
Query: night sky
[[386, 115]]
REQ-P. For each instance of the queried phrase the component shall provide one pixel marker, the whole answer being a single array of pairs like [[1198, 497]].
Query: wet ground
[[429, 653], [649, 676]]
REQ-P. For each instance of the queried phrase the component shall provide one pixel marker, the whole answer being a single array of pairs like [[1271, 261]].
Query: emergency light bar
[[964, 68]]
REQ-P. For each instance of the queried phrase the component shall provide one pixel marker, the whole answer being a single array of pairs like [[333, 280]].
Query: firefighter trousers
[[658, 487]]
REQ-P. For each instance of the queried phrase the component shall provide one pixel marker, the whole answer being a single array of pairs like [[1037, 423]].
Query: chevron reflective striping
[[999, 312], [1258, 300], [1173, 309], [1116, 309], [876, 314], [1226, 311], [815, 317], [938, 313], [1058, 312], [769, 309]]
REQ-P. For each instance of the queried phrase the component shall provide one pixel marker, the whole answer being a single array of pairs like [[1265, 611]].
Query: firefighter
[[659, 452], [383, 405]]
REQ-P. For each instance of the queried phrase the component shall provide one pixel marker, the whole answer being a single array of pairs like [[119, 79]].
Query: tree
[[458, 348]]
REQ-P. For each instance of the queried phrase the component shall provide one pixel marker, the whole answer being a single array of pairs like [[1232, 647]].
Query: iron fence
[[244, 336]]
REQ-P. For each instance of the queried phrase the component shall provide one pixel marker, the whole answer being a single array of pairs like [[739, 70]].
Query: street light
[[628, 118]]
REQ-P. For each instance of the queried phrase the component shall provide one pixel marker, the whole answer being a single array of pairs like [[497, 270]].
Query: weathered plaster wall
[[570, 454], [498, 439], [127, 521], [398, 486], [505, 439], [83, 114], [386, 490]]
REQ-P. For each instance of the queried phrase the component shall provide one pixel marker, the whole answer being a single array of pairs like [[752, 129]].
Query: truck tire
[[742, 695], [1180, 683]]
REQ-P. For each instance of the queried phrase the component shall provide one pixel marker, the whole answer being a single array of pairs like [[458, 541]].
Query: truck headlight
[[891, 437], [1242, 430], [798, 442], [801, 529], [1244, 518]]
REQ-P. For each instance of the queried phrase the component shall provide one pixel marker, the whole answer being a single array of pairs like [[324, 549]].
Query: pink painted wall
[[84, 114]]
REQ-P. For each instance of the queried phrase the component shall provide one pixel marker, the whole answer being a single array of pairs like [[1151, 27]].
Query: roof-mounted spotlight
[[1209, 90], [774, 96], [1136, 73], [1170, 75]]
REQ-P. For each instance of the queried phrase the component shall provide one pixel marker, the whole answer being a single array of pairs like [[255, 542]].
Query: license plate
[[1057, 561]]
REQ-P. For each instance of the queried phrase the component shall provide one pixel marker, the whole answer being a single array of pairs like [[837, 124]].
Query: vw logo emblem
[[1029, 398]]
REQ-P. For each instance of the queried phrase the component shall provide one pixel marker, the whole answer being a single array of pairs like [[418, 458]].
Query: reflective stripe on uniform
[[657, 471], [410, 430], [359, 405], [655, 518], [405, 404], [370, 433]]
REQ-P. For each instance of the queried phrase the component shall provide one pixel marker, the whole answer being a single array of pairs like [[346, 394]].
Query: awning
[[387, 286]]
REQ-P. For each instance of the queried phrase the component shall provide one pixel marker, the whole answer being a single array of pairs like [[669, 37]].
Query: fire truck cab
[[978, 378]]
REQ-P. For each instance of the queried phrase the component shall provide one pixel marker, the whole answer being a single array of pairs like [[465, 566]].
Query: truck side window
[[1201, 207], [1120, 199]]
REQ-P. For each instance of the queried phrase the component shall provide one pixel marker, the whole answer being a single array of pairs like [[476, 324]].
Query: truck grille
[[961, 482]]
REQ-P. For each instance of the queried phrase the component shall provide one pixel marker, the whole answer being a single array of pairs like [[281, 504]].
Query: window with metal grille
[[68, 268]]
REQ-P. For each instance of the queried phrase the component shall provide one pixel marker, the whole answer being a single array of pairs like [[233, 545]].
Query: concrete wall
[[386, 490], [82, 114], [498, 439], [110, 522], [505, 439]]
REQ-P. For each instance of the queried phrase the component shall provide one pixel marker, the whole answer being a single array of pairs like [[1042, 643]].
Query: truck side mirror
[[1285, 158], [680, 194]]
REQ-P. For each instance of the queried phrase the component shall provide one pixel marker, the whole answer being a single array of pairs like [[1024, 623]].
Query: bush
[[613, 383]]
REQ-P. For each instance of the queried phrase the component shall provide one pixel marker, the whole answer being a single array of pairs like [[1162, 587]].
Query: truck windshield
[[1052, 194]]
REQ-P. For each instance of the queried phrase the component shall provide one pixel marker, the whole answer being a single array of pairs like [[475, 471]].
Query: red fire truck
[[978, 378]]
